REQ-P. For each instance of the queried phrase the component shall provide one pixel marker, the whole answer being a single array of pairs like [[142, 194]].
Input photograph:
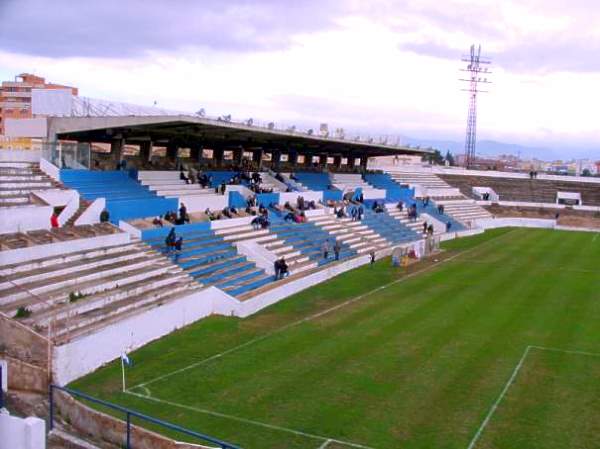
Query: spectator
[[448, 226], [336, 250], [104, 216], [400, 206], [372, 254], [430, 229], [157, 222], [178, 245], [325, 249], [424, 227], [277, 268], [183, 177], [223, 188], [54, 220], [183, 215], [283, 268], [170, 240]]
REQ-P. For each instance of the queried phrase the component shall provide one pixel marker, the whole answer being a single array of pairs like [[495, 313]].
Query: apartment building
[[15, 96]]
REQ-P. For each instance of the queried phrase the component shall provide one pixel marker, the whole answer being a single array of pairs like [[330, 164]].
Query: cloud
[[122, 29]]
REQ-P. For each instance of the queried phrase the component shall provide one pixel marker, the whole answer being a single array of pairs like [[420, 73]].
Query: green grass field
[[496, 345]]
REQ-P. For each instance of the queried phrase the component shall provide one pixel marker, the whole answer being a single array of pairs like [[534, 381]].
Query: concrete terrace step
[[37, 264], [100, 318], [102, 299], [85, 281], [40, 274]]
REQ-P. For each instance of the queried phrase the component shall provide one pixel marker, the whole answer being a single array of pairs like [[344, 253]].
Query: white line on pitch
[[324, 445], [566, 351], [249, 421], [312, 317], [512, 378], [497, 402]]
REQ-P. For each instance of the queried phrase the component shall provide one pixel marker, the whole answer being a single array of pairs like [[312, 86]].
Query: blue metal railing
[[132, 413]]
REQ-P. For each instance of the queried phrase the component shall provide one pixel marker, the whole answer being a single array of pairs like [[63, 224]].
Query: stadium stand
[[314, 181], [524, 189], [394, 192], [19, 179], [357, 235], [211, 258], [126, 199], [33, 238], [168, 184], [81, 292]]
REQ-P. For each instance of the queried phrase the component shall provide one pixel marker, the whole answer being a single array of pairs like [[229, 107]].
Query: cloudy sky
[[386, 67]]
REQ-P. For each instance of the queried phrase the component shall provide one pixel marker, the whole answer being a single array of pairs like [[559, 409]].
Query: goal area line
[[511, 380]]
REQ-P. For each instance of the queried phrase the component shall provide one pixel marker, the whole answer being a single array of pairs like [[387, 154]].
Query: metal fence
[[129, 414]]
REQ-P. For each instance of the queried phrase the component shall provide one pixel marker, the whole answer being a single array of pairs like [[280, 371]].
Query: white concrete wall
[[92, 214], [22, 433], [60, 248], [261, 256], [24, 218], [69, 210], [26, 127], [292, 197], [155, 175], [438, 226], [199, 203], [83, 355], [20, 155], [443, 192], [50, 169], [57, 197], [490, 223], [131, 230]]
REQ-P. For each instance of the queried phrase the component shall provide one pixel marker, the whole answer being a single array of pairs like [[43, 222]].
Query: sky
[[375, 67]]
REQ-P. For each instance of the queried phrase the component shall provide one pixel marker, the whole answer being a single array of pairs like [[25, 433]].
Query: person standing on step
[[104, 216], [336, 250], [170, 240], [54, 219], [325, 248], [178, 246], [372, 255], [424, 227]]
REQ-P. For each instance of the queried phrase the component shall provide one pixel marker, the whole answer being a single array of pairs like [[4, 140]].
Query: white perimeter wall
[[61, 248], [22, 433], [24, 218], [85, 354]]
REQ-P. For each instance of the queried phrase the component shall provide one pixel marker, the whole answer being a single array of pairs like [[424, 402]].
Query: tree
[[450, 159], [586, 172], [434, 158]]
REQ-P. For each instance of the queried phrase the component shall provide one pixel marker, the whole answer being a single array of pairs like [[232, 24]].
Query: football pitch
[[494, 344]]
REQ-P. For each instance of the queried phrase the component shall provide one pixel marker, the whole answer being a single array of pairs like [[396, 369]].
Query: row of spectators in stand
[[252, 181], [411, 211], [173, 218]]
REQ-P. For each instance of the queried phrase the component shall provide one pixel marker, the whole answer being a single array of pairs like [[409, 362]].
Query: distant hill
[[494, 148]]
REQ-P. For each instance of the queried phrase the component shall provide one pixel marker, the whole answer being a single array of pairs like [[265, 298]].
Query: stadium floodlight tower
[[476, 67]]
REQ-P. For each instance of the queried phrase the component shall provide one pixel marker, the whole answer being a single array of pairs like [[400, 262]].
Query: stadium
[[172, 279], [417, 305]]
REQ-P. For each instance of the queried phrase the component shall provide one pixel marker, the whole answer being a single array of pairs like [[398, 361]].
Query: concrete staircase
[[80, 292], [19, 179], [415, 177], [464, 210], [357, 235], [402, 216]]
